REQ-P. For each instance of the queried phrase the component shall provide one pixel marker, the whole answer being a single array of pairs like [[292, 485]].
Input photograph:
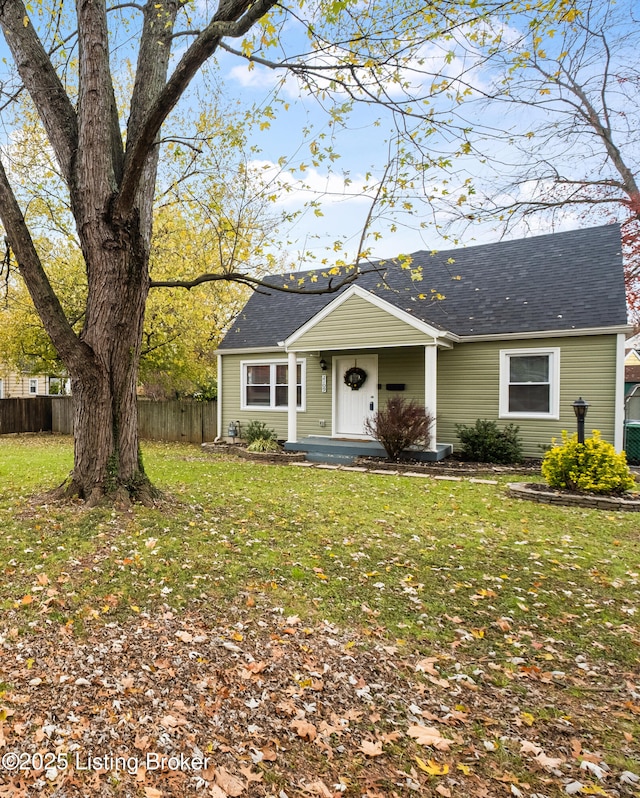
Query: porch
[[321, 449]]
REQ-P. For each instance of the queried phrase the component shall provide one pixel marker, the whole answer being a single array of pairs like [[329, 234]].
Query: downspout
[[218, 437]]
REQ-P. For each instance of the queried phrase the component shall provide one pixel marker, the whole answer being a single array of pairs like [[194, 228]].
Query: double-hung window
[[529, 383], [33, 386], [265, 385]]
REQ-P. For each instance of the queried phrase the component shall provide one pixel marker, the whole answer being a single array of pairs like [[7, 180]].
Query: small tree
[[402, 423]]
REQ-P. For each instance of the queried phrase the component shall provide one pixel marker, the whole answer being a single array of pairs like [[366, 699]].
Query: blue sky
[[363, 147]]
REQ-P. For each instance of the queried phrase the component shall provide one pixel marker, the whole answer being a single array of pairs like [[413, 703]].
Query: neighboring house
[[632, 358], [632, 378], [514, 331], [17, 385]]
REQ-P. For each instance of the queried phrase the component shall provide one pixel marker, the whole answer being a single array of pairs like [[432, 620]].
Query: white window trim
[[554, 383], [33, 383], [273, 363], [1, 388]]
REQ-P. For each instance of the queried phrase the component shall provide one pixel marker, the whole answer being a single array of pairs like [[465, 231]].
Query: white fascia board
[[392, 310], [249, 350], [519, 336]]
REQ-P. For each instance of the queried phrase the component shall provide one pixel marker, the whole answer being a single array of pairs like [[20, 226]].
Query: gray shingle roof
[[561, 281]]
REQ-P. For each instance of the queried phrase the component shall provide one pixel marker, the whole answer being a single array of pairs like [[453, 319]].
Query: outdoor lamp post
[[580, 408]]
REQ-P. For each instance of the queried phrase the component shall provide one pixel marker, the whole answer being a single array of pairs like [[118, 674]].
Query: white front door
[[353, 407]]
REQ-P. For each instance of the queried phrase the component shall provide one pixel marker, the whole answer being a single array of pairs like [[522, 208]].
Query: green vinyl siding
[[402, 365], [359, 324], [318, 404], [469, 388]]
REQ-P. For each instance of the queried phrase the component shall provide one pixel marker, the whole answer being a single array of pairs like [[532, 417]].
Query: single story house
[[20, 385], [513, 331]]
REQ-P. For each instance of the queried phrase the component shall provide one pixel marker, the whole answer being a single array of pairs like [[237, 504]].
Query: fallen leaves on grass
[[313, 712], [427, 735]]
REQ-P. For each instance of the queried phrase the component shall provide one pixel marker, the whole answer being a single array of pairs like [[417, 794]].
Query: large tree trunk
[[104, 382], [111, 190]]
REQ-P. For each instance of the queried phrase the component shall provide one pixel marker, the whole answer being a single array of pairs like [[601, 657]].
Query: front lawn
[[302, 628]]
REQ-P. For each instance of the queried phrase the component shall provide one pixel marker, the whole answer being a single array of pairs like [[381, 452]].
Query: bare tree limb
[[42, 83], [232, 19], [44, 297]]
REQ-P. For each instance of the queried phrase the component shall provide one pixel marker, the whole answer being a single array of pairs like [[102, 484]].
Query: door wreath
[[355, 378]]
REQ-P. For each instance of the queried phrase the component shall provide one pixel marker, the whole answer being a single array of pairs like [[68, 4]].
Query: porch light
[[323, 364], [580, 408]]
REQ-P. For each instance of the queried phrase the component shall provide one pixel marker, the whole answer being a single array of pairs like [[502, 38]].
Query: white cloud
[[310, 185]]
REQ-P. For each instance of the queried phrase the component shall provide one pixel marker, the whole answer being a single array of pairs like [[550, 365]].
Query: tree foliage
[[554, 112], [109, 143]]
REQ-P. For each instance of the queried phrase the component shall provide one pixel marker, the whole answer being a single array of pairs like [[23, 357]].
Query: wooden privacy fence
[[179, 420], [31, 414]]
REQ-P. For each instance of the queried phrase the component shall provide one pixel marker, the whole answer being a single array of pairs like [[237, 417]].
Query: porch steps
[[339, 451]]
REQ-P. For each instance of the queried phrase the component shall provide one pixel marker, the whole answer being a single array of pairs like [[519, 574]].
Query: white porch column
[[292, 398], [431, 388]]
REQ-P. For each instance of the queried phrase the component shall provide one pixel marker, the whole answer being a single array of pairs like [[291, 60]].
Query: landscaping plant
[[486, 442], [264, 445], [258, 431], [400, 424], [590, 467]]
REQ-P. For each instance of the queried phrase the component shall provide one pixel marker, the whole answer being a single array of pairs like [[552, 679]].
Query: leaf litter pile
[[176, 705]]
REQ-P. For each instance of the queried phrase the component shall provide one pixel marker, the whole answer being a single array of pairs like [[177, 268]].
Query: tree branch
[[44, 298], [42, 83], [233, 18], [331, 287], [101, 151]]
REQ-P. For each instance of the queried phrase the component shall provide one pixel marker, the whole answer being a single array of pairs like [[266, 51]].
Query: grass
[[527, 616], [418, 560]]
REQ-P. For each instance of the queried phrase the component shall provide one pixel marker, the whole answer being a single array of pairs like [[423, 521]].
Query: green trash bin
[[632, 441]]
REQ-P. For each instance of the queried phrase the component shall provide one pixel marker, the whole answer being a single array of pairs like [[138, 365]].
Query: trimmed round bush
[[590, 467], [486, 442]]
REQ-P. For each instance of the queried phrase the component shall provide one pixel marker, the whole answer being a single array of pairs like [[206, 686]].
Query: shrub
[[400, 424], [264, 445], [590, 467], [485, 442], [258, 431]]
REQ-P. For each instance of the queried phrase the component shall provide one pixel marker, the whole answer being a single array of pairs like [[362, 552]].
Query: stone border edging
[[544, 495], [262, 457], [461, 470], [519, 490], [268, 457]]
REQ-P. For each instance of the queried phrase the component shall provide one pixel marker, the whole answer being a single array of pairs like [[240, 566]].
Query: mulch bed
[[453, 466]]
